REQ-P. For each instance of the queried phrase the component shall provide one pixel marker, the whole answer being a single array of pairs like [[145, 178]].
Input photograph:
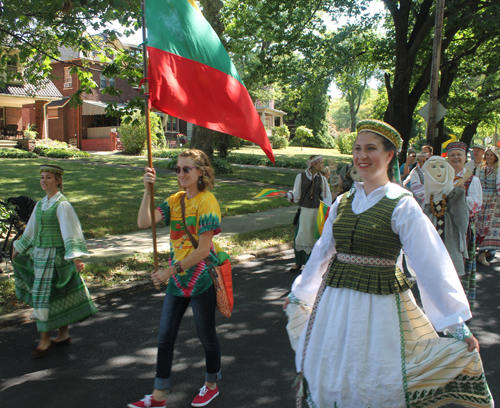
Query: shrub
[[17, 154], [167, 153], [49, 144], [255, 160], [134, 134], [282, 131], [221, 166], [302, 133], [4, 213], [278, 142], [345, 141], [63, 153]]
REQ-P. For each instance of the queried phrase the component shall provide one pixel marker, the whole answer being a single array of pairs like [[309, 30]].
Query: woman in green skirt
[[47, 263]]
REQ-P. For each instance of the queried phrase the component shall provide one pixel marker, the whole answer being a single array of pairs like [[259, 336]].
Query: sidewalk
[[114, 247]]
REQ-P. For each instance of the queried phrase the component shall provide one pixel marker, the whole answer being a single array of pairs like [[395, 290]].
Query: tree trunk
[[468, 133], [202, 140]]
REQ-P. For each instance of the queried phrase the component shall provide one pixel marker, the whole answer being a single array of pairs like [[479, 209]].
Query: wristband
[[178, 267]]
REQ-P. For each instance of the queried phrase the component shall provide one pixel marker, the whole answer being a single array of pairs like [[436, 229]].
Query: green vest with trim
[[368, 234], [49, 232]]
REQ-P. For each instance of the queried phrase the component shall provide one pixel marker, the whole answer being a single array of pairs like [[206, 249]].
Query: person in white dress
[[47, 262], [367, 343], [309, 189]]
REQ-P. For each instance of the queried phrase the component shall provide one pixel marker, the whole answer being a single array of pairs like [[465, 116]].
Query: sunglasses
[[185, 169]]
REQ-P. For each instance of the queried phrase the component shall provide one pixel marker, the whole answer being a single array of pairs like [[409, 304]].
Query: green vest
[[367, 234], [49, 232]]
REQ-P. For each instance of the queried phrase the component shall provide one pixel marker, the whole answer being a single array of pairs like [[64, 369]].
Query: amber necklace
[[443, 206]]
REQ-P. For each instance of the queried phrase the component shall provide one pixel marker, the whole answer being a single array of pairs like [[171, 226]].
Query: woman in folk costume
[[488, 218], [456, 152], [367, 343], [309, 189], [415, 181], [47, 262], [446, 207]]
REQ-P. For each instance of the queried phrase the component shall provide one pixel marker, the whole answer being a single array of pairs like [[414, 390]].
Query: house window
[[68, 78], [105, 82], [171, 124]]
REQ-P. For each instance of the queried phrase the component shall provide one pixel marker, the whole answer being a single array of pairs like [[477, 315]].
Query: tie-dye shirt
[[202, 214]]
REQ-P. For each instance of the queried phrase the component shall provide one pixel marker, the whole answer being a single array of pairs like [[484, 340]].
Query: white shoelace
[[147, 400], [203, 391]]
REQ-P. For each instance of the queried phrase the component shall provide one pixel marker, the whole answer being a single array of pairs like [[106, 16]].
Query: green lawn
[[295, 152], [107, 199]]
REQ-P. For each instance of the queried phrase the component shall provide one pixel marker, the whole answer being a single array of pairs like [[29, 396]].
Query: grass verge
[[107, 199], [138, 267]]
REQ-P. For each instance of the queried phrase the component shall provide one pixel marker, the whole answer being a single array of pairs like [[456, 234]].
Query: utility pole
[[434, 85]]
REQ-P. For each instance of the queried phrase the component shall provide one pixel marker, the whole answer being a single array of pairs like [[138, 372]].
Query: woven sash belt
[[364, 260]]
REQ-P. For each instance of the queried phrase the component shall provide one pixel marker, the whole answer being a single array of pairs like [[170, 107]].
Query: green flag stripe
[[177, 27]]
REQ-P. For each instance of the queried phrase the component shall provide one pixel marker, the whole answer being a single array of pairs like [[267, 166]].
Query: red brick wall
[[14, 115], [97, 145]]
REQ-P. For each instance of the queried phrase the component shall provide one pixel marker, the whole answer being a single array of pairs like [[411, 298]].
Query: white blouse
[[294, 195], [69, 224], [442, 294]]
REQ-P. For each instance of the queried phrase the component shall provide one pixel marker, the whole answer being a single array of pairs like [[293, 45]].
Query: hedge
[[9, 153], [63, 153]]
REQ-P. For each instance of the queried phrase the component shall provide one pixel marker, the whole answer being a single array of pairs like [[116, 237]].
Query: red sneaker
[[205, 396], [148, 401]]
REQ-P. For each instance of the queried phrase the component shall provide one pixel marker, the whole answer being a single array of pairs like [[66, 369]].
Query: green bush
[[49, 144], [17, 154], [256, 160], [345, 141], [282, 131], [4, 213], [221, 166], [63, 153], [278, 142], [134, 134], [167, 153]]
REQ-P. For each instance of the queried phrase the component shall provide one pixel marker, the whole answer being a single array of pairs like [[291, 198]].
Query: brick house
[[86, 126], [15, 95]]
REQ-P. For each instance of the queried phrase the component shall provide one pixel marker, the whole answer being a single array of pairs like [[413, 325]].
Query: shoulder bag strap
[[191, 238]]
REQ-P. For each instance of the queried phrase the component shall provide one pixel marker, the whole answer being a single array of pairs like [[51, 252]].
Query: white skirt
[[305, 236], [381, 351]]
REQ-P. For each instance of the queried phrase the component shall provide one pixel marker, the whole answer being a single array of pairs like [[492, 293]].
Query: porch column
[[40, 118]]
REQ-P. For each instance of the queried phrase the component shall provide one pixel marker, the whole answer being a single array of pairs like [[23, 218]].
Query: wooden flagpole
[[148, 128]]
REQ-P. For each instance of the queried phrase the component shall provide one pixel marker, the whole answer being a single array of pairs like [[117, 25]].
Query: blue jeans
[[174, 308]]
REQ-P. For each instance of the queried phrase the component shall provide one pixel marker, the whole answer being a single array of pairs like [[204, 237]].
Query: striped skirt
[[381, 351], [53, 287]]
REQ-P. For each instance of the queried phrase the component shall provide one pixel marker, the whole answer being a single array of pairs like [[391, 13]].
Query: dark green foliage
[[223, 143], [278, 142], [17, 154], [63, 153], [256, 160], [221, 166]]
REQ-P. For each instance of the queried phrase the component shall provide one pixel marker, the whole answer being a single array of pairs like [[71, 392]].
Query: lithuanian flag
[[192, 77], [268, 192], [320, 220]]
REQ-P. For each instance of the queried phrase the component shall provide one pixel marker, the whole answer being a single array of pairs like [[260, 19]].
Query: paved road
[[111, 360]]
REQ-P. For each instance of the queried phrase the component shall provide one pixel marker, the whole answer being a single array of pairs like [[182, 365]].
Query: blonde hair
[[202, 163], [59, 178]]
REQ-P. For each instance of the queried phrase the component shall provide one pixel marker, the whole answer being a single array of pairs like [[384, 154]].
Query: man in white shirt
[[477, 154]]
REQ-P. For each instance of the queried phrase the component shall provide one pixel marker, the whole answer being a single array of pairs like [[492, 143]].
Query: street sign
[[440, 112]]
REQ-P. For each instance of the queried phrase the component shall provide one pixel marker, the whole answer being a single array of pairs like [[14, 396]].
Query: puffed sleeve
[[475, 196], [443, 297], [24, 245], [306, 285], [417, 187], [326, 194], [294, 195], [71, 231], [209, 215]]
